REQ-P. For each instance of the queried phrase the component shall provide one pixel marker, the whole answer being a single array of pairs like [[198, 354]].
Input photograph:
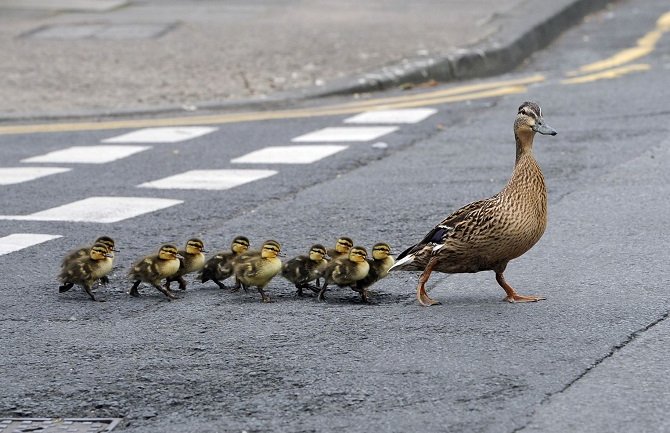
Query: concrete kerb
[[492, 57]]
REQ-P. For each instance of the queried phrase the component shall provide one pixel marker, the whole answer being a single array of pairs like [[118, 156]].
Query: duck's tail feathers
[[403, 261]]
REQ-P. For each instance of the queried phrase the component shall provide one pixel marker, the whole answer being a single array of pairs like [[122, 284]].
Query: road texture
[[590, 358]]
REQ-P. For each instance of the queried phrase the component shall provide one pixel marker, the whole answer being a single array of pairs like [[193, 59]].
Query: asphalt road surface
[[592, 357]]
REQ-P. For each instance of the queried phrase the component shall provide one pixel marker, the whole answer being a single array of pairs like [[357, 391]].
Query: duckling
[[218, 268], [342, 247], [346, 270], [302, 270], [259, 267], [193, 261], [85, 252], [153, 268], [381, 262], [485, 235], [85, 271]]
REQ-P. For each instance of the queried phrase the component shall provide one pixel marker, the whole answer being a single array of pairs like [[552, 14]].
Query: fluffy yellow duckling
[[380, 264], [346, 271], [153, 268], [218, 268], [342, 247], [84, 252], [302, 270], [193, 261], [258, 268], [85, 271]]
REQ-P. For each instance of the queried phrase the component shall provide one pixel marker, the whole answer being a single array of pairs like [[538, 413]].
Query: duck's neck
[[527, 176], [524, 144]]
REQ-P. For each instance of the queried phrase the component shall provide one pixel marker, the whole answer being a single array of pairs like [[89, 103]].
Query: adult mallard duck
[[487, 234]]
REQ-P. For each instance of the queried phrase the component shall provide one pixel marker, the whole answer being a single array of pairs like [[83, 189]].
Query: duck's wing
[[458, 225]]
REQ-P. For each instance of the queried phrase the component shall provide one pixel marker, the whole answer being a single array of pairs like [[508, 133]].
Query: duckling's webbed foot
[[264, 297], [65, 287], [166, 292], [421, 294], [133, 290], [219, 283], [512, 295], [322, 292]]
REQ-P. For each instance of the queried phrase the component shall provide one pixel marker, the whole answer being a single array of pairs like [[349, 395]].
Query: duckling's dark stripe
[[241, 240]]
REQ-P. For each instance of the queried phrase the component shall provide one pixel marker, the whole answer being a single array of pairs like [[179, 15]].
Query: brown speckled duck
[[487, 234]]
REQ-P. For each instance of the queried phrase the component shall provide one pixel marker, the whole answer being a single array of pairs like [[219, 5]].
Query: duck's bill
[[544, 129]]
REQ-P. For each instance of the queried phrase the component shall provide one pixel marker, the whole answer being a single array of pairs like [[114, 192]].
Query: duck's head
[[358, 254], [343, 245], [317, 253], [169, 252], [270, 249], [195, 246], [100, 251], [106, 240], [240, 244], [381, 251], [529, 120]]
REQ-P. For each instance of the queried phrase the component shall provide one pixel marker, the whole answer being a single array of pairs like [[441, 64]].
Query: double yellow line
[[454, 94]]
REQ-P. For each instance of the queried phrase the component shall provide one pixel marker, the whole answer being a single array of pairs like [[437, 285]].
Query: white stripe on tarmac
[[410, 115], [162, 134], [345, 134], [12, 175], [98, 210], [19, 241], [305, 154], [88, 154], [209, 179]]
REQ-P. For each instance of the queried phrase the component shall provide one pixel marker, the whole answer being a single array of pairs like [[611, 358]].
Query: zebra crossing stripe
[[19, 241]]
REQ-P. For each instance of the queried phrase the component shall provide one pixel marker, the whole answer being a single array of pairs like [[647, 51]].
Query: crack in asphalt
[[613, 351]]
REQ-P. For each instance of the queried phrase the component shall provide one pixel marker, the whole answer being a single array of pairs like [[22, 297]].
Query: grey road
[[590, 358]]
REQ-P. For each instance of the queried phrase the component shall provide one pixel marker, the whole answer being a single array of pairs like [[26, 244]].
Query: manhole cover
[[100, 31], [58, 425]]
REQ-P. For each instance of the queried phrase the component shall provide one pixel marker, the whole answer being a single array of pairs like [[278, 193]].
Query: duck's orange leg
[[512, 295], [421, 294]]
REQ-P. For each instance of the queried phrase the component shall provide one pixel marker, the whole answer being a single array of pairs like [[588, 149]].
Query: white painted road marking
[[162, 135], [409, 115], [346, 133], [12, 175], [208, 179], [98, 210], [19, 241], [305, 154], [98, 154]]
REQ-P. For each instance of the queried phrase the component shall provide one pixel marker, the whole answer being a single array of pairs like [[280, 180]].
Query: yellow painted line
[[455, 94], [645, 45], [608, 74]]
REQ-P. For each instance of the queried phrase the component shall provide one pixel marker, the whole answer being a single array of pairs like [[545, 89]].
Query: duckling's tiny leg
[[264, 298], [219, 283], [322, 292], [166, 292], [133, 290], [512, 296], [87, 287], [182, 283], [167, 283], [299, 289], [65, 287], [364, 295], [421, 294], [104, 280]]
